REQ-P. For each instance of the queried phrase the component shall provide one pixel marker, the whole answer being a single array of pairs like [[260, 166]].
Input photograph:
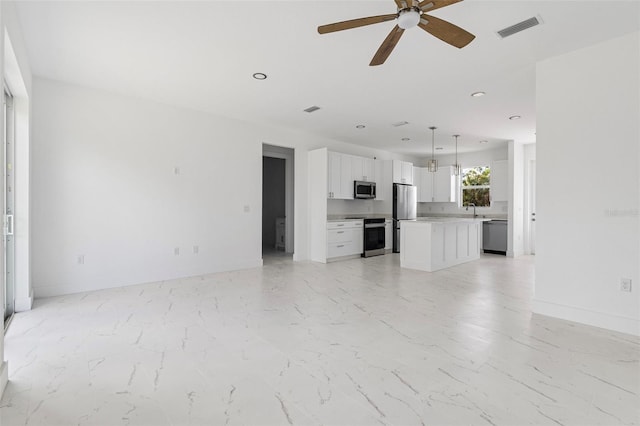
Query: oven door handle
[[374, 225]]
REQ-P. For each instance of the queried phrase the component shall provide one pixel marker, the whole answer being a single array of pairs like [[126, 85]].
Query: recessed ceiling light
[[478, 94], [360, 126], [484, 141], [400, 123], [259, 76], [312, 109], [515, 117], [406, 139]]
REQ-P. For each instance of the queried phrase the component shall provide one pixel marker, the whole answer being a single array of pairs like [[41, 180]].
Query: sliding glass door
[[8, 214]]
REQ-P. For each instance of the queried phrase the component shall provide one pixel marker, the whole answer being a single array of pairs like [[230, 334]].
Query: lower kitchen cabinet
[[345, 238]]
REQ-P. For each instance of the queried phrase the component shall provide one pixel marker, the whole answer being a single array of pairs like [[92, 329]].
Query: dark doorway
[[273, 204]]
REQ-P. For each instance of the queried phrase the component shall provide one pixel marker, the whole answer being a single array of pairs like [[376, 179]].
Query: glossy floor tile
[[358, 342]]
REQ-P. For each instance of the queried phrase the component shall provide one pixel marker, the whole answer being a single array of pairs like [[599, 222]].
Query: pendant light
[[432, 165], [457, 168]]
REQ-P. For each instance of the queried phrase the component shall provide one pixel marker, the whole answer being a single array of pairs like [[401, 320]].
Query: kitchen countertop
[[453, 219], [466, 216], [342, 218]]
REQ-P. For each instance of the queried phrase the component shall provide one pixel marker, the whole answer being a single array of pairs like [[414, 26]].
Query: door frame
[[530, 203], [273, 151]]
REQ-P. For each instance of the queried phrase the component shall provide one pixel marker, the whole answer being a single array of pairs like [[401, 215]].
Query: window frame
[[463, 187]]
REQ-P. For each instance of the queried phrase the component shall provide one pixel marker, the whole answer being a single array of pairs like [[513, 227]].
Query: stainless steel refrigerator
[[405, 205]]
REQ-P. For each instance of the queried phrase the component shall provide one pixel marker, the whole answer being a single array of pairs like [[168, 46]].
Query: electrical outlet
[[196, 249], [247, 208], [81, 259], [176, 251], [625, 284]]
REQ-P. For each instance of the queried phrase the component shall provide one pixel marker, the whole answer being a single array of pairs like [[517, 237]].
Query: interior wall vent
[[520, 26], [312, 109]]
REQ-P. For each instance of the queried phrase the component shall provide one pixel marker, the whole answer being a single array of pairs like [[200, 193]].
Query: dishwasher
[[494, 236]]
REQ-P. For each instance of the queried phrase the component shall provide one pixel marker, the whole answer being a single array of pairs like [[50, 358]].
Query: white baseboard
[[24, 304], [4, 377], [584, 316]]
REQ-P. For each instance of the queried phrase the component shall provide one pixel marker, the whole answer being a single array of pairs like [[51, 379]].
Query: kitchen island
[[431, 244]]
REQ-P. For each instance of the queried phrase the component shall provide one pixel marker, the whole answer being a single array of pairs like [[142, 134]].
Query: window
[[475, 186]]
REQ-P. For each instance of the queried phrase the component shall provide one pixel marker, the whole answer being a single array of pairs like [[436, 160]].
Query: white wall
[[104, 187], [588, 197]]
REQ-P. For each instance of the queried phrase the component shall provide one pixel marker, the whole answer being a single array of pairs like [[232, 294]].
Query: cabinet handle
[[8, 225], [340, 232], [342, 245], [340, 224]]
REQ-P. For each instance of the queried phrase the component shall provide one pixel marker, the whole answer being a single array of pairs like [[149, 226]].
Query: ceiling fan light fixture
[[408, 18]]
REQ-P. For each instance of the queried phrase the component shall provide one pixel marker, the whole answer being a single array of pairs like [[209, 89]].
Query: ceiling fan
[[410, 13]]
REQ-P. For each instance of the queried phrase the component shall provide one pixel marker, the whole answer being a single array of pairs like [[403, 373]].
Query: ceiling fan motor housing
[[408, 18]]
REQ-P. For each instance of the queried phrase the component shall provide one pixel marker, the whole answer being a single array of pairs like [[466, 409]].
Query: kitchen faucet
[[474, 209]]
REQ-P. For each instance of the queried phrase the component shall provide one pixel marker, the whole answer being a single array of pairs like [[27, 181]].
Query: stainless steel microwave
[[364, 190]]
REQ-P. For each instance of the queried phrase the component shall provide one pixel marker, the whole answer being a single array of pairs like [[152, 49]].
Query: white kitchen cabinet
[[388, 234], [434, 245], [402, 172], [445, 188], [499, 181], [340, 181], [362, 168], [345, 238], [384, 186], [423, 181]]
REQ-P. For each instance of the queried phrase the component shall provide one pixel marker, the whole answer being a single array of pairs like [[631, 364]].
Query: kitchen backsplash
[[497, 210]]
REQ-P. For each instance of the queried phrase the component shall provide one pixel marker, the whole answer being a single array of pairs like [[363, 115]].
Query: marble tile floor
[[358, 342]]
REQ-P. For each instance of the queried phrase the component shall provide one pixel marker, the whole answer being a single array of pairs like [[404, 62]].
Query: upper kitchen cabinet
[[423, 180], [402, 172], [445, 188], [363, 169], [384, 187], [499, 181], [339, 176]]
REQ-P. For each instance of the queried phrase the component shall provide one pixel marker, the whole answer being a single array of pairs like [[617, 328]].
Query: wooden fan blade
[[429, 5], [403, 4], [387, 46], [355, 23], [445, 31]]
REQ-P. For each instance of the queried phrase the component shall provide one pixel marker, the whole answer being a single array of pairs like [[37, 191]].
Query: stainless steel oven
[[373, 237]]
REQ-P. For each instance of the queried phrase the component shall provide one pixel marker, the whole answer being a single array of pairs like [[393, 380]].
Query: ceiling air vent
[[312, 109], [520, 26], [400, 123]]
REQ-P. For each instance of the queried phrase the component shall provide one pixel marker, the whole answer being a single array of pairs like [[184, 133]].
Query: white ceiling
[[202, 55]]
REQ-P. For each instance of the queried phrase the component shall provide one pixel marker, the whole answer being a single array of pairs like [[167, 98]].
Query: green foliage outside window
[[475, 186]]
